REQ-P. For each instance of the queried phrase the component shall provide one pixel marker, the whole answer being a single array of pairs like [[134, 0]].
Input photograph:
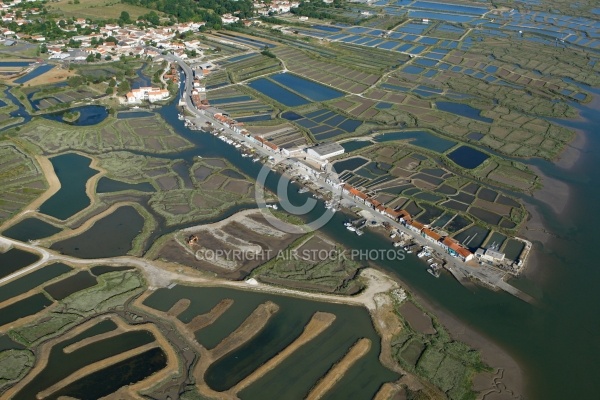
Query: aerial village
[[310, 161]]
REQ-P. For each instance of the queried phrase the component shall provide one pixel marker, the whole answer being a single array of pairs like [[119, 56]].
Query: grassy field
[[145, 134], [21, 180], [96, 9], [14, 364], [112, 290], [306, 268]]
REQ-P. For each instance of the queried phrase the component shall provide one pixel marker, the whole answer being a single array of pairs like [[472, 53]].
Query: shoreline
[[512, 378]]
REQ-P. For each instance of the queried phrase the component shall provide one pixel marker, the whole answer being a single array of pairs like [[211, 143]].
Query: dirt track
[[360, 348], [202, 321], [179, 307]]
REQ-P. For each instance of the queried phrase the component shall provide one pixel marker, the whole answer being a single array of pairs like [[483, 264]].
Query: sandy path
[[247, 330], [202, 321], [319, 322], [222, 223], [387, 391], [179, 307], [360, 348]]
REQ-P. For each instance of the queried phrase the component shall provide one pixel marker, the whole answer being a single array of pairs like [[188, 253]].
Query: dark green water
[[32, 280], [6, 343], [31, 229], [23, 308], [15, 259], [109, 237], [66, 287], [60, 365], [73, 171], [104, 269], [295, 377], [109, 380], [107, 185]]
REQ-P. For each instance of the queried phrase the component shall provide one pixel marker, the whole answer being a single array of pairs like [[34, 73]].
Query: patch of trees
[[317, 9], [197, 10]]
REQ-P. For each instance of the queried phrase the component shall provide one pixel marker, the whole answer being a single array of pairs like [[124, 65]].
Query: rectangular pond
[[463, 110], [468, 157], [277, 92], [312, 90]]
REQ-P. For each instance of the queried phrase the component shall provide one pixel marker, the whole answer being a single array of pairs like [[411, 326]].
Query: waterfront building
[[325, 151]]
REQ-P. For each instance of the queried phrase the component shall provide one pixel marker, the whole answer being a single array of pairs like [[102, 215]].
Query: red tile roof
[[434, 235]]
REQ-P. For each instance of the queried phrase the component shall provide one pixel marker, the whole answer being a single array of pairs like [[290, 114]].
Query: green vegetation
[[145, 134], [306, 264], [14, 365], [200, 10], [217, 186], [448, 364], [21, 180], [112, 291], [95, 9], [71, 116]]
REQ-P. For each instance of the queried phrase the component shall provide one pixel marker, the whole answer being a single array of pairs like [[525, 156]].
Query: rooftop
[[326, 148]]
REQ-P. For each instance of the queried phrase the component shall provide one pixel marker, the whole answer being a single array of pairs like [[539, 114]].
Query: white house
[[229, 19], [151, 94]]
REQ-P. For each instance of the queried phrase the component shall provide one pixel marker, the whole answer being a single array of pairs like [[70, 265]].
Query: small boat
[[303, 190], [255, 159], [433, 272], [397, 244], [351, 228]]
